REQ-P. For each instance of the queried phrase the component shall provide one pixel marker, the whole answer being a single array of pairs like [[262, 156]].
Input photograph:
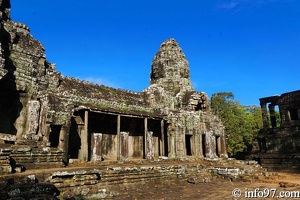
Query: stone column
[[223, 146], [118, 137], [171, 141], [124, 145], [150, 146], [61, 142], [288, 118], [33, 118], [65, 139], [218, 146], [81, 134], [201, 154], [46, 133], [197, 143], [84, 137], [97, 150], [145, 136], [272, 115], [264, 113], [42, 117], [210, 145], [162, 142], [20, 122], [180, 143]]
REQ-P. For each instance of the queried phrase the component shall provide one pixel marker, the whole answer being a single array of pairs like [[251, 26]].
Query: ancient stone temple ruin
[[48, 120], [278, 143]]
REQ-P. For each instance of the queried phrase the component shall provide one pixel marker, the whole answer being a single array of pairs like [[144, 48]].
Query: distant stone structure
[[47, 120], [278, 143]]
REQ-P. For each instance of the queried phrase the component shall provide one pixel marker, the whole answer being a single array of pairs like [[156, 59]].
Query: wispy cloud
[[227, 5], [238, 5], [100, 81]]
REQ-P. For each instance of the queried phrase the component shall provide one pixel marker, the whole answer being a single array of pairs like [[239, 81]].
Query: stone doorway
[[204, 145], [188, 145], [54, 135]]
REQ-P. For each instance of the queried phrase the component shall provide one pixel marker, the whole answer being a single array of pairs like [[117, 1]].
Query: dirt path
[[217, 189]]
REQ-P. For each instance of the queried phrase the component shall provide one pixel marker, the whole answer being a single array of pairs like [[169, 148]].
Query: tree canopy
[[242, 123]]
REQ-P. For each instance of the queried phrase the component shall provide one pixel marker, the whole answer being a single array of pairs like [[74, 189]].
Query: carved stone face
[[170, 64]]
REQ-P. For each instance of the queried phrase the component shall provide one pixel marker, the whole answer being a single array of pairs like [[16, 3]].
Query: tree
[[242, 123]]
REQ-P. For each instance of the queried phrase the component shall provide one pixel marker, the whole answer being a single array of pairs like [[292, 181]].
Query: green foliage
[[242, 123], [277, 116]]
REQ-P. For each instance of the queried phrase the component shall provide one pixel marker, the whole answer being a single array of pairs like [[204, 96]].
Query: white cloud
[[227, 5], [100, 81], [238, 5]]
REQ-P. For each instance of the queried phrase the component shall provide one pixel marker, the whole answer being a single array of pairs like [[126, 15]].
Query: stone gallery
[[48, 120], [278, 143]]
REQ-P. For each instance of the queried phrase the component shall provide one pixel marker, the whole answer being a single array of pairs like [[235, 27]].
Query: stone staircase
[[101, 180]]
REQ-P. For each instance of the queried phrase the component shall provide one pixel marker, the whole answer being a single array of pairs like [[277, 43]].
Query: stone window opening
[[294, 114], [54, 135]]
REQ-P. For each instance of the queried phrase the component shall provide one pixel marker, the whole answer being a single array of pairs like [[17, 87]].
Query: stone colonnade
[[122, 139], [166, 139]]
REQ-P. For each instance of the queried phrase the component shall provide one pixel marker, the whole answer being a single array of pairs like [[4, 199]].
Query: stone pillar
[[223, 146], [145, 136], [43, 117], [288, 118], [162, 142], [180, 143], [201, 153], [171, 141], [210, 145], [84, 137], [118, 137], [150, 146], [124, 145], [264, 113], [218, 146], [64, 141], [20, 122], [282, 117], [197, 143], [272, 115], [61, 142], [81, 134], [45, 135], [97, 150], [33, 117]]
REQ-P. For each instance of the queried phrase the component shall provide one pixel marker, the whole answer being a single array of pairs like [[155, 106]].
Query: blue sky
[[248, 47]]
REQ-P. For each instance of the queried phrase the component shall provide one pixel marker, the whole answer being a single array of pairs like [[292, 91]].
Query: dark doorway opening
[[203, 145], [136, 140], [54, 135], [155, 127], [188, 145], [102, 140], [74, 140], [166, 139], [294, 114]]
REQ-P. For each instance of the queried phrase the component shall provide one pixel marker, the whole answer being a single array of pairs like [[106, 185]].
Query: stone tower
[[170, 68]]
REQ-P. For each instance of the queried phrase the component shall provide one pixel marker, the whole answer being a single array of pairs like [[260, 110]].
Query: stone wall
[[278, 143]]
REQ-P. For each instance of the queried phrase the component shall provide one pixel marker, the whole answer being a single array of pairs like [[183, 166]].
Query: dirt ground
[[217, 189]]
